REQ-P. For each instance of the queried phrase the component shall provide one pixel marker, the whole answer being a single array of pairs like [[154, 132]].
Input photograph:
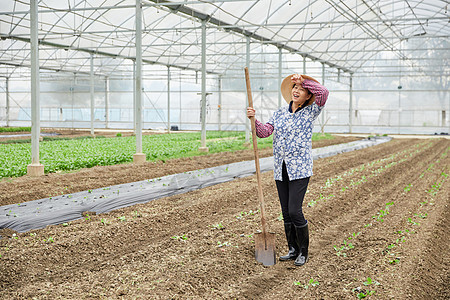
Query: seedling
[[412, 222], [423, 216], [122, 219], [394, 260], [178, 237], [370, 281], [383, 212], [340, 250], [104, 221], [408, 188], [218, 226], [311, 282], [362, 295], [243, 214], [49, 240], [354, 235], [280, 217], [391, 246], [224, 244]]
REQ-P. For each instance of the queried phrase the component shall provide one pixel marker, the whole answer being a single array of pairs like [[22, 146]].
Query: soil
[[389, 201]]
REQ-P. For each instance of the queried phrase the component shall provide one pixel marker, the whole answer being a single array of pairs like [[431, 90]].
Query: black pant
[[291, 194]]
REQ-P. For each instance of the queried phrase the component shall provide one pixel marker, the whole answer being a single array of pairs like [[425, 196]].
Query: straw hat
[[286, 88]]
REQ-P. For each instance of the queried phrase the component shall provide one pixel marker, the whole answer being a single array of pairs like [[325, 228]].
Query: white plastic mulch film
[[386, 63]]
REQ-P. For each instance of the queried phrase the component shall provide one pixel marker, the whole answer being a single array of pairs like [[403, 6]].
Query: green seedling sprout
[[370, 281], [178, 237], [280, 217], [218, 226], [312, 282], [49, 240], [104, 221]]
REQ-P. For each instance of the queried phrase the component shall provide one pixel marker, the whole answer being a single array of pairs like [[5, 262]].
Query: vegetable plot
[[388, 214], [64, 155]]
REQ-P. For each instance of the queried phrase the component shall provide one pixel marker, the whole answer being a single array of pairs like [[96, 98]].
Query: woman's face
[[299, 94]]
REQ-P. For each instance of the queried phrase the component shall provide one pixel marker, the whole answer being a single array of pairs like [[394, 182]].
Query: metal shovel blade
[[265, 248]]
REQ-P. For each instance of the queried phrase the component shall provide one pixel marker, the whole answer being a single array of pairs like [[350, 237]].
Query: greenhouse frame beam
[[25, 12], [272, 53], [226, 27], [19, 65], [279, 43], [219, 23], [97, 52]]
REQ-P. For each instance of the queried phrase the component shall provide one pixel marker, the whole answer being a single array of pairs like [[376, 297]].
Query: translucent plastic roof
[[366, 37]]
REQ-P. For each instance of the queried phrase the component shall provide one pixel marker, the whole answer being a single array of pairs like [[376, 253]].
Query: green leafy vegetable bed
[[64, 155]]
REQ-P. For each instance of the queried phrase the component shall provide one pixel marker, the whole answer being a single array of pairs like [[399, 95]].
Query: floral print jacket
[[292, 134]]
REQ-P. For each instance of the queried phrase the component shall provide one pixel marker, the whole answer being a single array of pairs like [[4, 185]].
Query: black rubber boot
[[291, 238], [303, 244]]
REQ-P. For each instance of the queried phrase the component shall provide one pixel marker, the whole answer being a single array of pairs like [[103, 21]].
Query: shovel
[[264, 241]]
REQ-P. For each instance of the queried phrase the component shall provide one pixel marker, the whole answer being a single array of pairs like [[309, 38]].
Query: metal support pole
[[179, 98], [35, 168], [134, 97], [323, 83], [304, 65], [7, 101], [448, 113], [350, 106], [203, 108], [106, 102], [91, 84], [168, 98], [247, 121], [280, 65], [399, 110], [138, 157], [220, 103]]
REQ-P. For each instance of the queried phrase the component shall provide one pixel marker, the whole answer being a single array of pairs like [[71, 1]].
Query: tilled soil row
[[199, 245], [334, 222], [89, 246]]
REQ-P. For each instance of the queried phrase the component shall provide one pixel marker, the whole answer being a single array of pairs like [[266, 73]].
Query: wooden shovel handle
[[255, 149]]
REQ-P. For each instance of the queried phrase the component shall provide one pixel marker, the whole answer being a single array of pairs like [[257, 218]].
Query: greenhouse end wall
[[382, 110]]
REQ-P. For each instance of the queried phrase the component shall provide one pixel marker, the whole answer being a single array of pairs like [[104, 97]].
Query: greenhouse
[[379, 59], [149, 98]]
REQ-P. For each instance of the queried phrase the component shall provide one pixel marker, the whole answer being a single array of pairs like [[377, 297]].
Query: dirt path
[[391, 200]]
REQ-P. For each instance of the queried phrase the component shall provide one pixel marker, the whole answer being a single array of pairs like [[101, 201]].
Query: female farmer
[[292, 126]]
